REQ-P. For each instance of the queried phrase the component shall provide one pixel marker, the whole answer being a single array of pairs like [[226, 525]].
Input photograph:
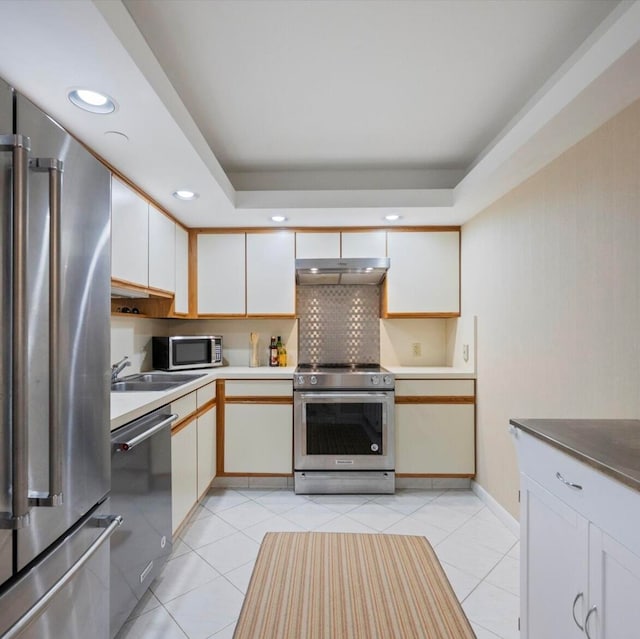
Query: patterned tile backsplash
[[338, 324]]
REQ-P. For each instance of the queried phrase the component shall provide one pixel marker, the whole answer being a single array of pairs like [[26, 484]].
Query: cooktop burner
[[340, 367]]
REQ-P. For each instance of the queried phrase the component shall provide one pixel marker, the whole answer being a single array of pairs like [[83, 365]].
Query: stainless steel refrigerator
[[54, 380]]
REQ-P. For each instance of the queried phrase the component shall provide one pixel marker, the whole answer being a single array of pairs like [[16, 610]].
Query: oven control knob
[[314, 379], [387, 380], [300, 379], [375, 380]]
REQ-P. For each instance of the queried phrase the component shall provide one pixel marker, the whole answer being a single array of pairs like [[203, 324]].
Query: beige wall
[[552, 271]]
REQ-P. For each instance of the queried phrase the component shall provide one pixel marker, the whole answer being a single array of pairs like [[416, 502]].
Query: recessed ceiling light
[[391, 218], [92, 101], [116, 136], [278, 218], [185, 194]]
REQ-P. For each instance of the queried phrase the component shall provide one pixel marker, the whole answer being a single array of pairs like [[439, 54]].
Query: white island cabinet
[[580, 548]]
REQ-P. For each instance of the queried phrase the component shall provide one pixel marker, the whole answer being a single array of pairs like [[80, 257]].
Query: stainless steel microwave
[[192, 351]]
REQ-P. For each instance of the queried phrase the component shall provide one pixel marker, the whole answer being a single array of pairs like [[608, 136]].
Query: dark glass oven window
[[344, 429], [191, 352]]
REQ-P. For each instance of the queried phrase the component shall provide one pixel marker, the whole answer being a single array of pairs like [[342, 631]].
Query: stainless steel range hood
[[355, 270]]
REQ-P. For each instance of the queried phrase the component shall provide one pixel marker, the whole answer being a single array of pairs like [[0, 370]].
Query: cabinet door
[[310, 245], [206, 449], [271, 273], [435, 439], [129, 235], [258, 438], [162, 251], [614, 588], [221, 274], [181, 304], [184, 480], [364, 244], [424, 275], [554, 540]]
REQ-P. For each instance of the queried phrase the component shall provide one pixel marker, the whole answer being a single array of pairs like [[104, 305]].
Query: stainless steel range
[[343, 429]]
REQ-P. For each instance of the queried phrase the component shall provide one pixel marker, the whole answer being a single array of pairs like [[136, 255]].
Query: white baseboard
[[499, 511]]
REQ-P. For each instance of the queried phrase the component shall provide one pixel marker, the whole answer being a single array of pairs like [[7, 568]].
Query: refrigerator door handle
[[54, 497], [19, 145], [41, 605]]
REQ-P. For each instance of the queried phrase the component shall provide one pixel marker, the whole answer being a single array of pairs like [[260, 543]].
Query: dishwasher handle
[[123, 445]]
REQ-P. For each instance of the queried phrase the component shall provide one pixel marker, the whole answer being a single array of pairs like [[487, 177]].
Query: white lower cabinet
[[580, 548], [556, 536], [206, 449], [435, 427], [435, 439], [184, 473], [193, 450], [258, 438]]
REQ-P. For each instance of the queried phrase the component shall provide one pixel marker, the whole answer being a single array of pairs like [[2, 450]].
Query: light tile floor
[[200, 591]]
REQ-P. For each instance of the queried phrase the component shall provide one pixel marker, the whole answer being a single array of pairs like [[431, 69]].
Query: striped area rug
[[349, 586]]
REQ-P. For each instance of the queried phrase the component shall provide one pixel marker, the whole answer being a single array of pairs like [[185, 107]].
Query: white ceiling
[[335, 112]]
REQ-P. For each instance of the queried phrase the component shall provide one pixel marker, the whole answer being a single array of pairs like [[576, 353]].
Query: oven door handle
[[331, 396]]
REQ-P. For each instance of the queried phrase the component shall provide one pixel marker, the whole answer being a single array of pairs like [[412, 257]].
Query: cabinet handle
[[586, 621], [568, 483], [573, 610]]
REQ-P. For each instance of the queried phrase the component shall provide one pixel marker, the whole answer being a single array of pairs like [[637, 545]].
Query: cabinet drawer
[[435, 387], [259, 388], [206, 394], [610, 505], [184, 406]]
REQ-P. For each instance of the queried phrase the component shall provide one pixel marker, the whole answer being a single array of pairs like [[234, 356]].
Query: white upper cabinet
[[181, 304], [424, 276], [162, 251], [347, 244], [129, 235], [271, 273], [221, 274], [312, 245], [364, 244]]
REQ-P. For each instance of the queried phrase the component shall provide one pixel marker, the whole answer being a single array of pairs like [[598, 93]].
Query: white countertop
[[128, 406], [430, 372]]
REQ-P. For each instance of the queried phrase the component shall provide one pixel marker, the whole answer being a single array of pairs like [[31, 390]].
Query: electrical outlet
[[416, 349], [465, 352]]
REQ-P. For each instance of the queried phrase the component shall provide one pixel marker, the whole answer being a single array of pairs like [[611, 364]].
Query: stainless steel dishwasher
[[141, 491]]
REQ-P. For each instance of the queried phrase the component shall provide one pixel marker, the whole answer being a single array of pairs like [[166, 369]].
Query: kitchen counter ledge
[[430, 372], [128, 406], [611, 446]]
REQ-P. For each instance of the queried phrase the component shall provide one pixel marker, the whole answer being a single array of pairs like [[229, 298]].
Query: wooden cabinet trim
[[266, 399], [187, 419], [438, 475], [416, 315], [435, 399], [220, 401], [328, 229]]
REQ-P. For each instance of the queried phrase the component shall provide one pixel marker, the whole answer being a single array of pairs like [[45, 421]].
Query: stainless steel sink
[[179, 378], [152, 382]]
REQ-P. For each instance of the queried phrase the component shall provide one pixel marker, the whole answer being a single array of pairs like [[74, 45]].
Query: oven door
[[339, 430]]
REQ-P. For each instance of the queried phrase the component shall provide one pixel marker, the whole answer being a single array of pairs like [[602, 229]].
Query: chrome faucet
[[118, 367]]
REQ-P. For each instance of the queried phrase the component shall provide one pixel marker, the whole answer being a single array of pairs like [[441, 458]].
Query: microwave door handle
[[19, 146], [54, 497]]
